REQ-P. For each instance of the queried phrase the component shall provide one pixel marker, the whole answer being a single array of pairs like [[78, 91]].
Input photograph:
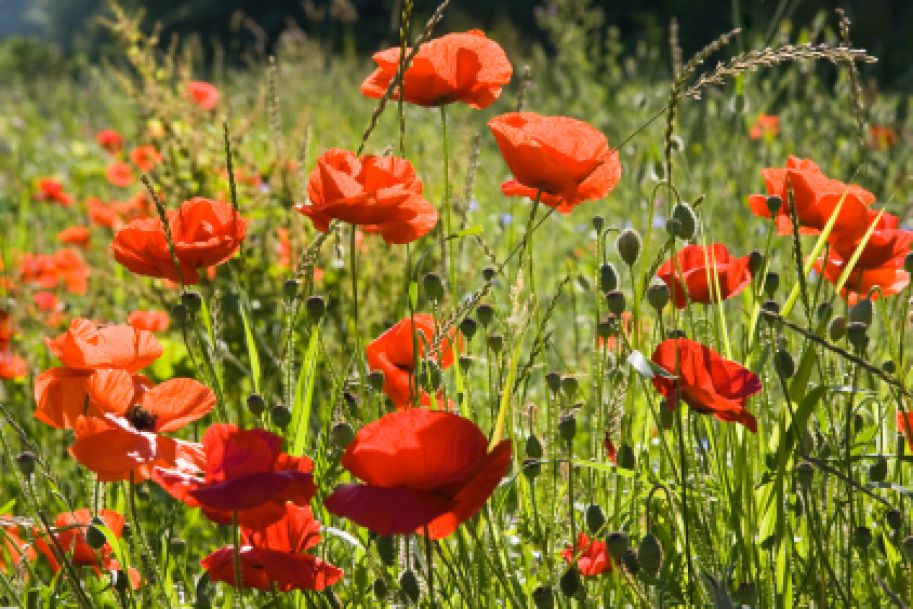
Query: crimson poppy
[[905, 426], [592, 556], [75, 235], [153, 321], [882, 137], [704, 274], [424, 470], [12, 366], [119, 174], [766, 126], [706, 381], [245, 473], [392, 353], [145, 157], [560, 160], [463, 67], [379, 194], [110, 140], [72, 270], [203, 94], [275, 556], [50, 189]]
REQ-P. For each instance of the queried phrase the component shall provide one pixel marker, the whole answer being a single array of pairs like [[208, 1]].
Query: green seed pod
[[755, 262], [376, 380], [533, 447], [544, 597], [290, 289], [685, 221], [495, 342], [598, 223], [626, 458], [569, 583], [468, 327], [379, 587], [771, 283], [805, 471], [658, 296], [25, 461], [894, 518], [280, 415], [878, 470], [631, 562], [784, 363], [907, 546], [862, 538], [94, 535], [595, 518], [889, 367], [386, 549], [617, 543], [433, 286], [177, 546], [256, 404], [553, 381], [650, 554], [837, 328], [315, 306], [628, 245], [342, 434], [774, 203], [856, 334], [531, 468], [567, 427], [465, 362], [608, 277], [488, 273], [192, 300], [862, 312], [485, 313], [615, 300], [408, 586]]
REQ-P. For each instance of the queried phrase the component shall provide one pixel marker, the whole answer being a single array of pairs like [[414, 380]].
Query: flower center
[[141, 419]]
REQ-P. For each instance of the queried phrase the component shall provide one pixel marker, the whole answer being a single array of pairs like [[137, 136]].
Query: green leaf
[[304, 394], [252, 353]]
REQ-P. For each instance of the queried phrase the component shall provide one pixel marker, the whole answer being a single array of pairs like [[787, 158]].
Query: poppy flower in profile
[[815, 197], [905, 426], [14, 550], [698, 272], [50, 189], [75, 235], [592, 556], [422, 470], [145, 157], [766, 126], [151, 320], [379, 194], [110, 140], [246, 473], [119, 174], [203, 94], [561, 160], [707, 382], [392, 353], [275, 556], [463, 67]]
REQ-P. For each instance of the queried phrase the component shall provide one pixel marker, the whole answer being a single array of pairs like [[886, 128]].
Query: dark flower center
[[141, 419]]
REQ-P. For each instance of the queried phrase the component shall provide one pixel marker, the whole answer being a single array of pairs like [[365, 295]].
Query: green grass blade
[[252, 352], [304, 393]]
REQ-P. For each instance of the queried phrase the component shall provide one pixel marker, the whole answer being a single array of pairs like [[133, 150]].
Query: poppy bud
[[598, 223], [531, 468], [94, 535], [465, 362], [908, 263], [631, 562], [878, 470], [595, 518], [488, 273], [316, 306], [617, 543], [771, 283], [544, 597], [805, 470], [755, 261], [553, 381], [626, 458], [430, 374], [837, 328], [342, 434], [484, 312], [856, 334], [628, 246], [496, 342], [25, 461], [280, 416], [774, 203], [615, 301], [650, 554], [408, 586], [894, 519], [177, 546], [468, 327], [290, 288], [907, 546], [433, 286], [126, 532], [567, 427], [255, 404], [569, 582], [862, 538], [192, 300], [380, 588], [569, 385], [862, 312], [376, 380], [583, 282], [533, 447], [605, 328], [683, 223], [658, 296], [120, 581], [608, 277], [784, 363], [179, 313], [889, 367]]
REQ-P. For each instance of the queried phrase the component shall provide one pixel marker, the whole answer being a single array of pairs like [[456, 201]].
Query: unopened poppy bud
[[95, 537], [628, 246], [430, 374], [608, 277], [290, 288], [598, 223], [567, 427], [376, 380], [408, 585], [908, 262], [484, 312], [862, 312], [658, 296], [894, 519], [805, 471], [631, 562], [177, 546], [771, 283], [907, 546], [784, 363], [256, 404], [25, 461], [120, 581], [488, 273], [615, 300], [179, 313], [533, 447], [379, 587], [862, 538], [856, 334], [315, 306], [605, 328], [569, 582], [878, 470], [531, 468], [280, 416], [468, 327], [837, 328], [192, 300], [685, 222], [595, 518], [617, 543], [386, 549], [544, 597], [650, 554], [495, 342], [889, 367], [433, 286], [465, 362], [755, 261], [553, 381], [569, 385], [342, 434], [774, 203], [626, 458]]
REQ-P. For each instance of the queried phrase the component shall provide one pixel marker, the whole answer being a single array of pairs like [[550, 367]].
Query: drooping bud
[[628, 245], [25, 461], [569, 385], [856, 334], [376, 380], [315, 306], [569, 582], [280, 415], [615, 300], [595, 518], [608, 277], [658, 296], [683, 223], [256, 404], [408, 585], [433, 286], [617, 543], [468, 327], [567, 427], [862, 312], [342, 434], [290, 288], [495, 342], [553, 381], [544, 597], [533, 447], [650, 554], [484, 312]]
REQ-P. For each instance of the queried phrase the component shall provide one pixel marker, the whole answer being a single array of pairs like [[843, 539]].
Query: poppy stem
[[429, 558], [353, 257], [447, 265], [236, 543], [679, 423]]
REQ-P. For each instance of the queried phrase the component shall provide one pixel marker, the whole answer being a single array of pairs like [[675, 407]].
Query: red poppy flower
[[110, 140], [766, 126], [275, 556], [612, 343], [38, 269], [50, 189], [463, 67], [697, 270], [45, 301], [72, 269], [392, 353], [905, 426], [592, 556], [7, 329], [706, 381], [75, 235], [119, 174], [423, 469], [815, 196], [12, 366], [14, 551], [203, 94], [882, 137], [145, 157], [246, 473], [153, 321], [379, 194], [564, 159]]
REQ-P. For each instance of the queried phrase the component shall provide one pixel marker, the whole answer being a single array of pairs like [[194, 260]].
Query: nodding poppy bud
[[774, 203], [290, 288], [569, 385], [805, 471], [878, 470], [179, 313], [25, 461], [628, 246], [605, 328], [567, 427], [430, 374], [484, 312], [376, 380], [408, 585], [626, 458], [94, 535], [379, 587], [598, 223], [192, 300], [495, 342], [862, 538], [595, 518], [784, 363], [907, 546], [608, 277], [889, 367], [837, 328], [658, 296], [615, 300], [683, 223], [631, 562], [386, 549], [650, 554], [617, 543], [280, 416], [315, 306], [177, 546], [755, 261], [569, 582], [488, 273], [553, 381], [771, 283], [433, 286], [465, 362], [908, 263], [468, 327], [533, 447], [544, 597], [856, 334], [531, 468], [256, 404], [894, 519], [120, 581], [862, 312], [342, 434]]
